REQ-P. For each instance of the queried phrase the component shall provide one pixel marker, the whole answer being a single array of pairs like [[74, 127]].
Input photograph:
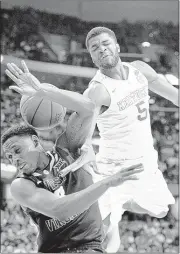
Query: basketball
[[40, 113]]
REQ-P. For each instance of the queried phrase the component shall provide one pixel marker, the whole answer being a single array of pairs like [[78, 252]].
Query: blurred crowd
[[27, 34], [23, 36]]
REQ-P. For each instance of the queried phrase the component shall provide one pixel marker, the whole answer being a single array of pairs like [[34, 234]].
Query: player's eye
[[9, 156], [17, 151], [94, 48]]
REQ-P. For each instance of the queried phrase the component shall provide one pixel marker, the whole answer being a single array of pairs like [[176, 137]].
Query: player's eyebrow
[[13, 146], [94, 45], [105, 41]]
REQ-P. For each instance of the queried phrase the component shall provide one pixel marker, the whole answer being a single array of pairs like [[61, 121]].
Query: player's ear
[[35, 140], [118, 47]]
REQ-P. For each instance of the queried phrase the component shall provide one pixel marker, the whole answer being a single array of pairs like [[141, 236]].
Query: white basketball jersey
[[125, 129]]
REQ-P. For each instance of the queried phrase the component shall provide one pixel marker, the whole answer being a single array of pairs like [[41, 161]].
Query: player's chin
[[107, 64], [28, 170]]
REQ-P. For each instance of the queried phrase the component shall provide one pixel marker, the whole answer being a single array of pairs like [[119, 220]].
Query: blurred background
[[50, 36]]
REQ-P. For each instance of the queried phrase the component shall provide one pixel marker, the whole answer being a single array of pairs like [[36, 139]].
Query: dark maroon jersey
[[81, 231]]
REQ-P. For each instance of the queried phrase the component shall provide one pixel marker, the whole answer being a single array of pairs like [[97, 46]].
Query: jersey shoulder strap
[[99, 77]]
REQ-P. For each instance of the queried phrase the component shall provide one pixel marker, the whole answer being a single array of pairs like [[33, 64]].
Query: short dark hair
[[18, 130], [99, 30]]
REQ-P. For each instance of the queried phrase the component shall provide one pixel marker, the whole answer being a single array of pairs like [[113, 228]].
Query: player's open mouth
[[104, 56]]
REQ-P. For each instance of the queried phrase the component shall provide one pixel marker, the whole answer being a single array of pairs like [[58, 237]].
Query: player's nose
[[102, 48], [16, 161]]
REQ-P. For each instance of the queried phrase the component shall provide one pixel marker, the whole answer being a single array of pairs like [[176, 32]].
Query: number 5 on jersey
[[142, 111]]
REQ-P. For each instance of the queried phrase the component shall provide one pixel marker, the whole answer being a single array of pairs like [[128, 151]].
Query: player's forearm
[[79, 202], [71, 100], [94, 116], [165, 90], [80, 129]]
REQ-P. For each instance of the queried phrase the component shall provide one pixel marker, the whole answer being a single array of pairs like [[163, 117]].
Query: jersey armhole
[[97, 81]]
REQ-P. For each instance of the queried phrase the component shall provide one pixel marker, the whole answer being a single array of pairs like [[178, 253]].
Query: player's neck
[[118, 72]]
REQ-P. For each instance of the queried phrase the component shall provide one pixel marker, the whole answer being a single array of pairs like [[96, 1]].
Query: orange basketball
[[40, 113]]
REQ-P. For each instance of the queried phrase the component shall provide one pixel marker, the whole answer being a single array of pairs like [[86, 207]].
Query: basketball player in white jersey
[[120, 92]]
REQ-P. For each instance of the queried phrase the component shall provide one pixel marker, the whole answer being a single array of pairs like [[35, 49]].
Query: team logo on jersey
[[133, 98], [54, 181], [61, 164], [140, 78], [55, 224]]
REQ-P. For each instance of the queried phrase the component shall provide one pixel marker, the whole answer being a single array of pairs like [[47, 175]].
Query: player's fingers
[[25, 68], [19, 71], [17, 89], [130, 168], [11, 76], [130, 178], [13, 71], [133, 172]]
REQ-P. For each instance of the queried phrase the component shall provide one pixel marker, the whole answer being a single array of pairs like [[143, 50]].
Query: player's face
[[104, 51], [22, 152]]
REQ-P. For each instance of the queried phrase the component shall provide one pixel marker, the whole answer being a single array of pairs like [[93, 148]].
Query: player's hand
[[86, 155], [27, 84], [129, 173]]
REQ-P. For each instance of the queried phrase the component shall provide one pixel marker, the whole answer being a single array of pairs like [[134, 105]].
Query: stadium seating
[[138, 233]]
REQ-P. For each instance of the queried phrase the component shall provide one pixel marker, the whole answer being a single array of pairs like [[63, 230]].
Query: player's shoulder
[[21, 187], [95, 85], [145, 69]]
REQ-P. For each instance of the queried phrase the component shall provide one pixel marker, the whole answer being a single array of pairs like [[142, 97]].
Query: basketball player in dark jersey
[[66, 223]]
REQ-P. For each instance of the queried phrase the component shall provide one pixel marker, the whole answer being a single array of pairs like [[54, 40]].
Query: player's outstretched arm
[[156, 83], [27, 84], [70, 100], [62, 208]]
